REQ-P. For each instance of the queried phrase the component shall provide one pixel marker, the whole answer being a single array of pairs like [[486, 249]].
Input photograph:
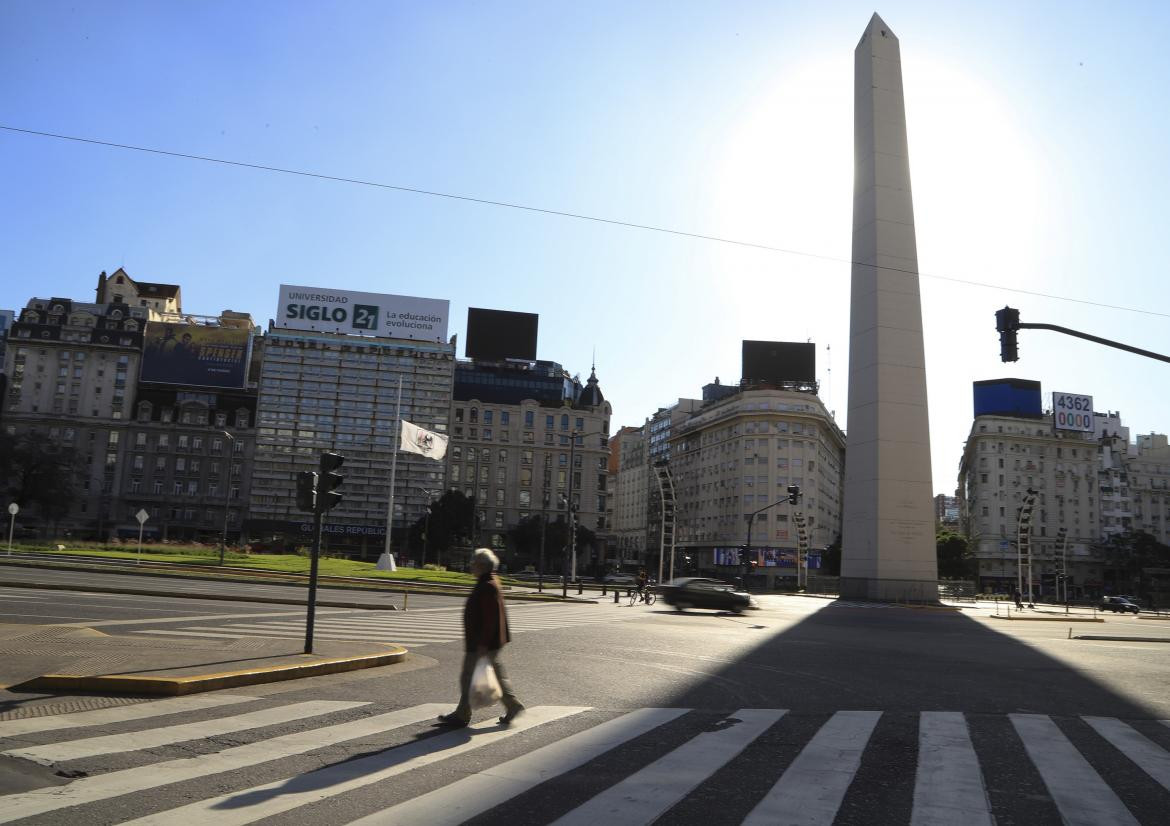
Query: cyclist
[[642, 579]]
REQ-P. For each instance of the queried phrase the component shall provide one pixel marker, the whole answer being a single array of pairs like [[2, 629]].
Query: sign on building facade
[[362, 314]]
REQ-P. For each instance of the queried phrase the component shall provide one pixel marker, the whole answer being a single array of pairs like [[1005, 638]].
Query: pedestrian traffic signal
[[329, 481], [307, 490], [1007, 321], [793, 494]]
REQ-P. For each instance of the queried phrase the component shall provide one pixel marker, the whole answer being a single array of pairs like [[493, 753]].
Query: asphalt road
[[804, 710]]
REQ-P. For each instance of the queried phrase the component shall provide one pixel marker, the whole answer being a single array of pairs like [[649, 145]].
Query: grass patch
[[278, 563]]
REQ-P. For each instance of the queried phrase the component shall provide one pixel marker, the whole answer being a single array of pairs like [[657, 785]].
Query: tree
[[450, 521], [831, 558], [39, 475], [955, 560], [525, 537]]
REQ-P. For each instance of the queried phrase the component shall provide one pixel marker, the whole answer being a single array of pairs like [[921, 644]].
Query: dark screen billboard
[[495, 335], [195, 355], [1008, 397], [777, 362]]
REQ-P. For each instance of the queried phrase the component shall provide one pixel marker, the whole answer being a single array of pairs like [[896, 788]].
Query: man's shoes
[[452, 720], [512, 714]]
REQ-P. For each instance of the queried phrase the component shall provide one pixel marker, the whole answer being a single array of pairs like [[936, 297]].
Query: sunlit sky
[[1037, 131]]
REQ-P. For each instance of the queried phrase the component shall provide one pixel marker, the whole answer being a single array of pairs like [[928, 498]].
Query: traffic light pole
[[315, 555], [1008, 322]]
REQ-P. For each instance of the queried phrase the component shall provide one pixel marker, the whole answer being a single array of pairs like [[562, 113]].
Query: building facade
[[738, 455], [514, 451], [321, 391], [630, 472], [1095, 485]]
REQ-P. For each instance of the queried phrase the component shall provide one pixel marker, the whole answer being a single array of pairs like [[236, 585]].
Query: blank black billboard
[[776, 362], [495, 335]]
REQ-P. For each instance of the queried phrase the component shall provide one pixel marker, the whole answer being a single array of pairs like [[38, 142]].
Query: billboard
[[381, 315], [1007, 397], [776, 362], [196, 355], [495, 335], [1072, 411]]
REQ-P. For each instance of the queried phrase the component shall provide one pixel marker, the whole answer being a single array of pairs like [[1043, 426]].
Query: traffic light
[[793, 494], [1007, 321], [307, 490], [330, 480]]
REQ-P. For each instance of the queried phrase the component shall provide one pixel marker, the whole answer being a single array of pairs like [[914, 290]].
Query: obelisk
[[888, 547]]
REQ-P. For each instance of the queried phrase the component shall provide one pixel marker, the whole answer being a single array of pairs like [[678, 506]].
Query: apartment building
[[522, 433], [738, 455]]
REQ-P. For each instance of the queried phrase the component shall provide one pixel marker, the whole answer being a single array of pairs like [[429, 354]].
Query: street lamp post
[[227, 492], [430, 493], [573, 437]]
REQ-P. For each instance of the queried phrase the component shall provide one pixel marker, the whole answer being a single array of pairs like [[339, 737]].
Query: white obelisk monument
[[888, 547]]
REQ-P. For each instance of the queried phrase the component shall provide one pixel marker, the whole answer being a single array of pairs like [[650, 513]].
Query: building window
[[529, 418]]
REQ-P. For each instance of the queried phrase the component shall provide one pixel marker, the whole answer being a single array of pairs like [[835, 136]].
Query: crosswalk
[[232, 759], [412, 629]]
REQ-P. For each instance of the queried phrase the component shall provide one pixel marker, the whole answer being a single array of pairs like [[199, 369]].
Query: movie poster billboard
[[195, 355], [329, 310]]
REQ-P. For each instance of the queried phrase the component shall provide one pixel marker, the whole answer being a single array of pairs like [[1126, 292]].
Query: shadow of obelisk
[[888, 548]]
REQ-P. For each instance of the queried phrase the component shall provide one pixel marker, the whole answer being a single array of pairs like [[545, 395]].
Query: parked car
[[1118, 605], [697, 592]]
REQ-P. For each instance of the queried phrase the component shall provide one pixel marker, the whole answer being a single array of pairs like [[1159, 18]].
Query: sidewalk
[[53, 659]]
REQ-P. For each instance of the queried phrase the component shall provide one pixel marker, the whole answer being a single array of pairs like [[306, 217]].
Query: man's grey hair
[[485, 558]]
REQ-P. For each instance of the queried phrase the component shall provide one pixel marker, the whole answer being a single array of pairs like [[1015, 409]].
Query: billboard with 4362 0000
[[381, 315], [1072, 411], [195, 354]]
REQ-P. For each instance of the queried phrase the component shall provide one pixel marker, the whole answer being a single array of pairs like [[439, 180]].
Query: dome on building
[[591, 396]]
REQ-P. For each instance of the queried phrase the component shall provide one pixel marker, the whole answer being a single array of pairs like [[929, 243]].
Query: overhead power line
[[565, 214]]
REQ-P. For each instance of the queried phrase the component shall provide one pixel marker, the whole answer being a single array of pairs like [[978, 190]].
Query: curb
[[1046, 619], [176, 686], [143, 592], [1120, 639]]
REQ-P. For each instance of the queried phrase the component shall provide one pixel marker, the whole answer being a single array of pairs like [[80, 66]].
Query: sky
[[1037, 134]]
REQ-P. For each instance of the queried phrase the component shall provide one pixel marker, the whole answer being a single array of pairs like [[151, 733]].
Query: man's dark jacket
[[485, 623]]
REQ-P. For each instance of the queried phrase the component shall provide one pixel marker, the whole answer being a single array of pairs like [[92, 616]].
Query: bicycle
[[648, 596]]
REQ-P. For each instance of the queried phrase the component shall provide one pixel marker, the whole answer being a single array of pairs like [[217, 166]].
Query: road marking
[[169, 735], [1082, 797], [948, 787], [811, 789], [195, 617], [127, 781], [250, 805], [647, 794], [459, 801], [119, 714], [1149, 756]]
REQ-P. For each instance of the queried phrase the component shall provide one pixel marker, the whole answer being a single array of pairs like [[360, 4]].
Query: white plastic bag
[[485, 686]]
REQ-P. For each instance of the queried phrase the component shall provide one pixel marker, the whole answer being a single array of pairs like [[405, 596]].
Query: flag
[[423, 442]]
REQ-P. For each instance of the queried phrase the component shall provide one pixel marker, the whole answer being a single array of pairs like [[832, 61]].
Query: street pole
[[311, 616], [747, 551], [572, 531], [543, 525], [395, 444], [227, 489], [13, 509]]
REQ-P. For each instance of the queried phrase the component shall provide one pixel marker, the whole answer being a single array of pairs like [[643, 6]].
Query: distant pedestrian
[[485, 632], [1018, 597]]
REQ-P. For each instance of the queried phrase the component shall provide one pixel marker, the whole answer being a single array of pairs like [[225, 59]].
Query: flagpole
[[395, 442]]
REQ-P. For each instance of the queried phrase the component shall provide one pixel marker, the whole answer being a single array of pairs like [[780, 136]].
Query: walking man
[[485, 631]]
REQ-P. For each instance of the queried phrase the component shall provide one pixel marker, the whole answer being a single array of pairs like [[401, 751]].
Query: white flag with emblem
[[417, 440]]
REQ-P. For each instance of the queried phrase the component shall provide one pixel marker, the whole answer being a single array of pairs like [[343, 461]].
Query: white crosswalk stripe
[[152, 738], [410, 629], [1084, 799], [679, 752], [811, 790]]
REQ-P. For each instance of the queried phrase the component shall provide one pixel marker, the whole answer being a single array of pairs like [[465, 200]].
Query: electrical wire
[[565, 214]]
